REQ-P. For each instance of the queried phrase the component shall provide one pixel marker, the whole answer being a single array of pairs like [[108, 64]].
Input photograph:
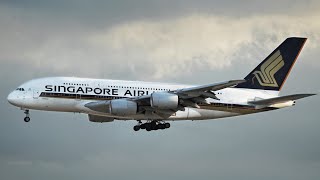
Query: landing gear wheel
[[143, 126], [136, 128], [162, 126], [26, 119], [167, 125], [148, 128], [156, 127], [153, 124]]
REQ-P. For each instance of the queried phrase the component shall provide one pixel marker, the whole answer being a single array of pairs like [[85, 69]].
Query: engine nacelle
[[164, 100], [123, 107]]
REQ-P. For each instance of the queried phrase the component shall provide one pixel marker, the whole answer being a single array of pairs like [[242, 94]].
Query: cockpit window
[[20, 89]]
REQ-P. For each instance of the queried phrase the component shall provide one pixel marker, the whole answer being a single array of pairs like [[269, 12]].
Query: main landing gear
[[153, 125], [27, 118]]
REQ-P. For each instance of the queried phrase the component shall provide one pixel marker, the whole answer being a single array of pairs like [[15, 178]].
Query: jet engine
[[164, 100], [123, 107]]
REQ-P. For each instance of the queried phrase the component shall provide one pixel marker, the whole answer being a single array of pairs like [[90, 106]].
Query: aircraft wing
[[281, 99], [205, 90], [190, 97]]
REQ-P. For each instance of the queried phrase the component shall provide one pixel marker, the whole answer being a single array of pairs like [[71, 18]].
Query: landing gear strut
[[27, 118], [153, 125]]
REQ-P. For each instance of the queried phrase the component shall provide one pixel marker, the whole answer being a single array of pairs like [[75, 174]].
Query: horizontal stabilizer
[[279, 99]]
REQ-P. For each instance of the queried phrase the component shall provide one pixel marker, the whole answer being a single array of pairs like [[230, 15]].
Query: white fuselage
[[70, 94]]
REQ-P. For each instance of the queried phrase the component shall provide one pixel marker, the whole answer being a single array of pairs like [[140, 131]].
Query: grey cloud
[[152, 45]]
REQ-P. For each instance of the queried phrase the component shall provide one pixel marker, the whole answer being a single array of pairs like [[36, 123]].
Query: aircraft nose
[[12, 98]]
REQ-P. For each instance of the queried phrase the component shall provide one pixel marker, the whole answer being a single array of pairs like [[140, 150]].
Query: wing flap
[[190, 97]]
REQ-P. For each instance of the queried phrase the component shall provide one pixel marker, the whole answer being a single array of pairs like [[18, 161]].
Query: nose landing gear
[[27, 118]]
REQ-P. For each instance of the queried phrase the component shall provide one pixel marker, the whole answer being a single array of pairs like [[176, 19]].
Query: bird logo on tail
[[268, 69]]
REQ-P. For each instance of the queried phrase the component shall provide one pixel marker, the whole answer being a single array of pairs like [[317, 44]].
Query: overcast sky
[[193, 42]]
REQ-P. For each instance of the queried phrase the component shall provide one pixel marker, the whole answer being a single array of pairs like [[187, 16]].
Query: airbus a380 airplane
[[152, 104]]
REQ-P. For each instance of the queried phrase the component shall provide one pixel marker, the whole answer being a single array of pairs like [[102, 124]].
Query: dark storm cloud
[[112, 39]]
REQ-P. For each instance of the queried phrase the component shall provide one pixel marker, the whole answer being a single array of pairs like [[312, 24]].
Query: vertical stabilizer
[[273, 71]]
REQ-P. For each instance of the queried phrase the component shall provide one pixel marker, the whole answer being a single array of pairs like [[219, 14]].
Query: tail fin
[[272, 72]]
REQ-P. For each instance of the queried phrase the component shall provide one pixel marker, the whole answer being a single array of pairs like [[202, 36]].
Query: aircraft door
[[36, 94]]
